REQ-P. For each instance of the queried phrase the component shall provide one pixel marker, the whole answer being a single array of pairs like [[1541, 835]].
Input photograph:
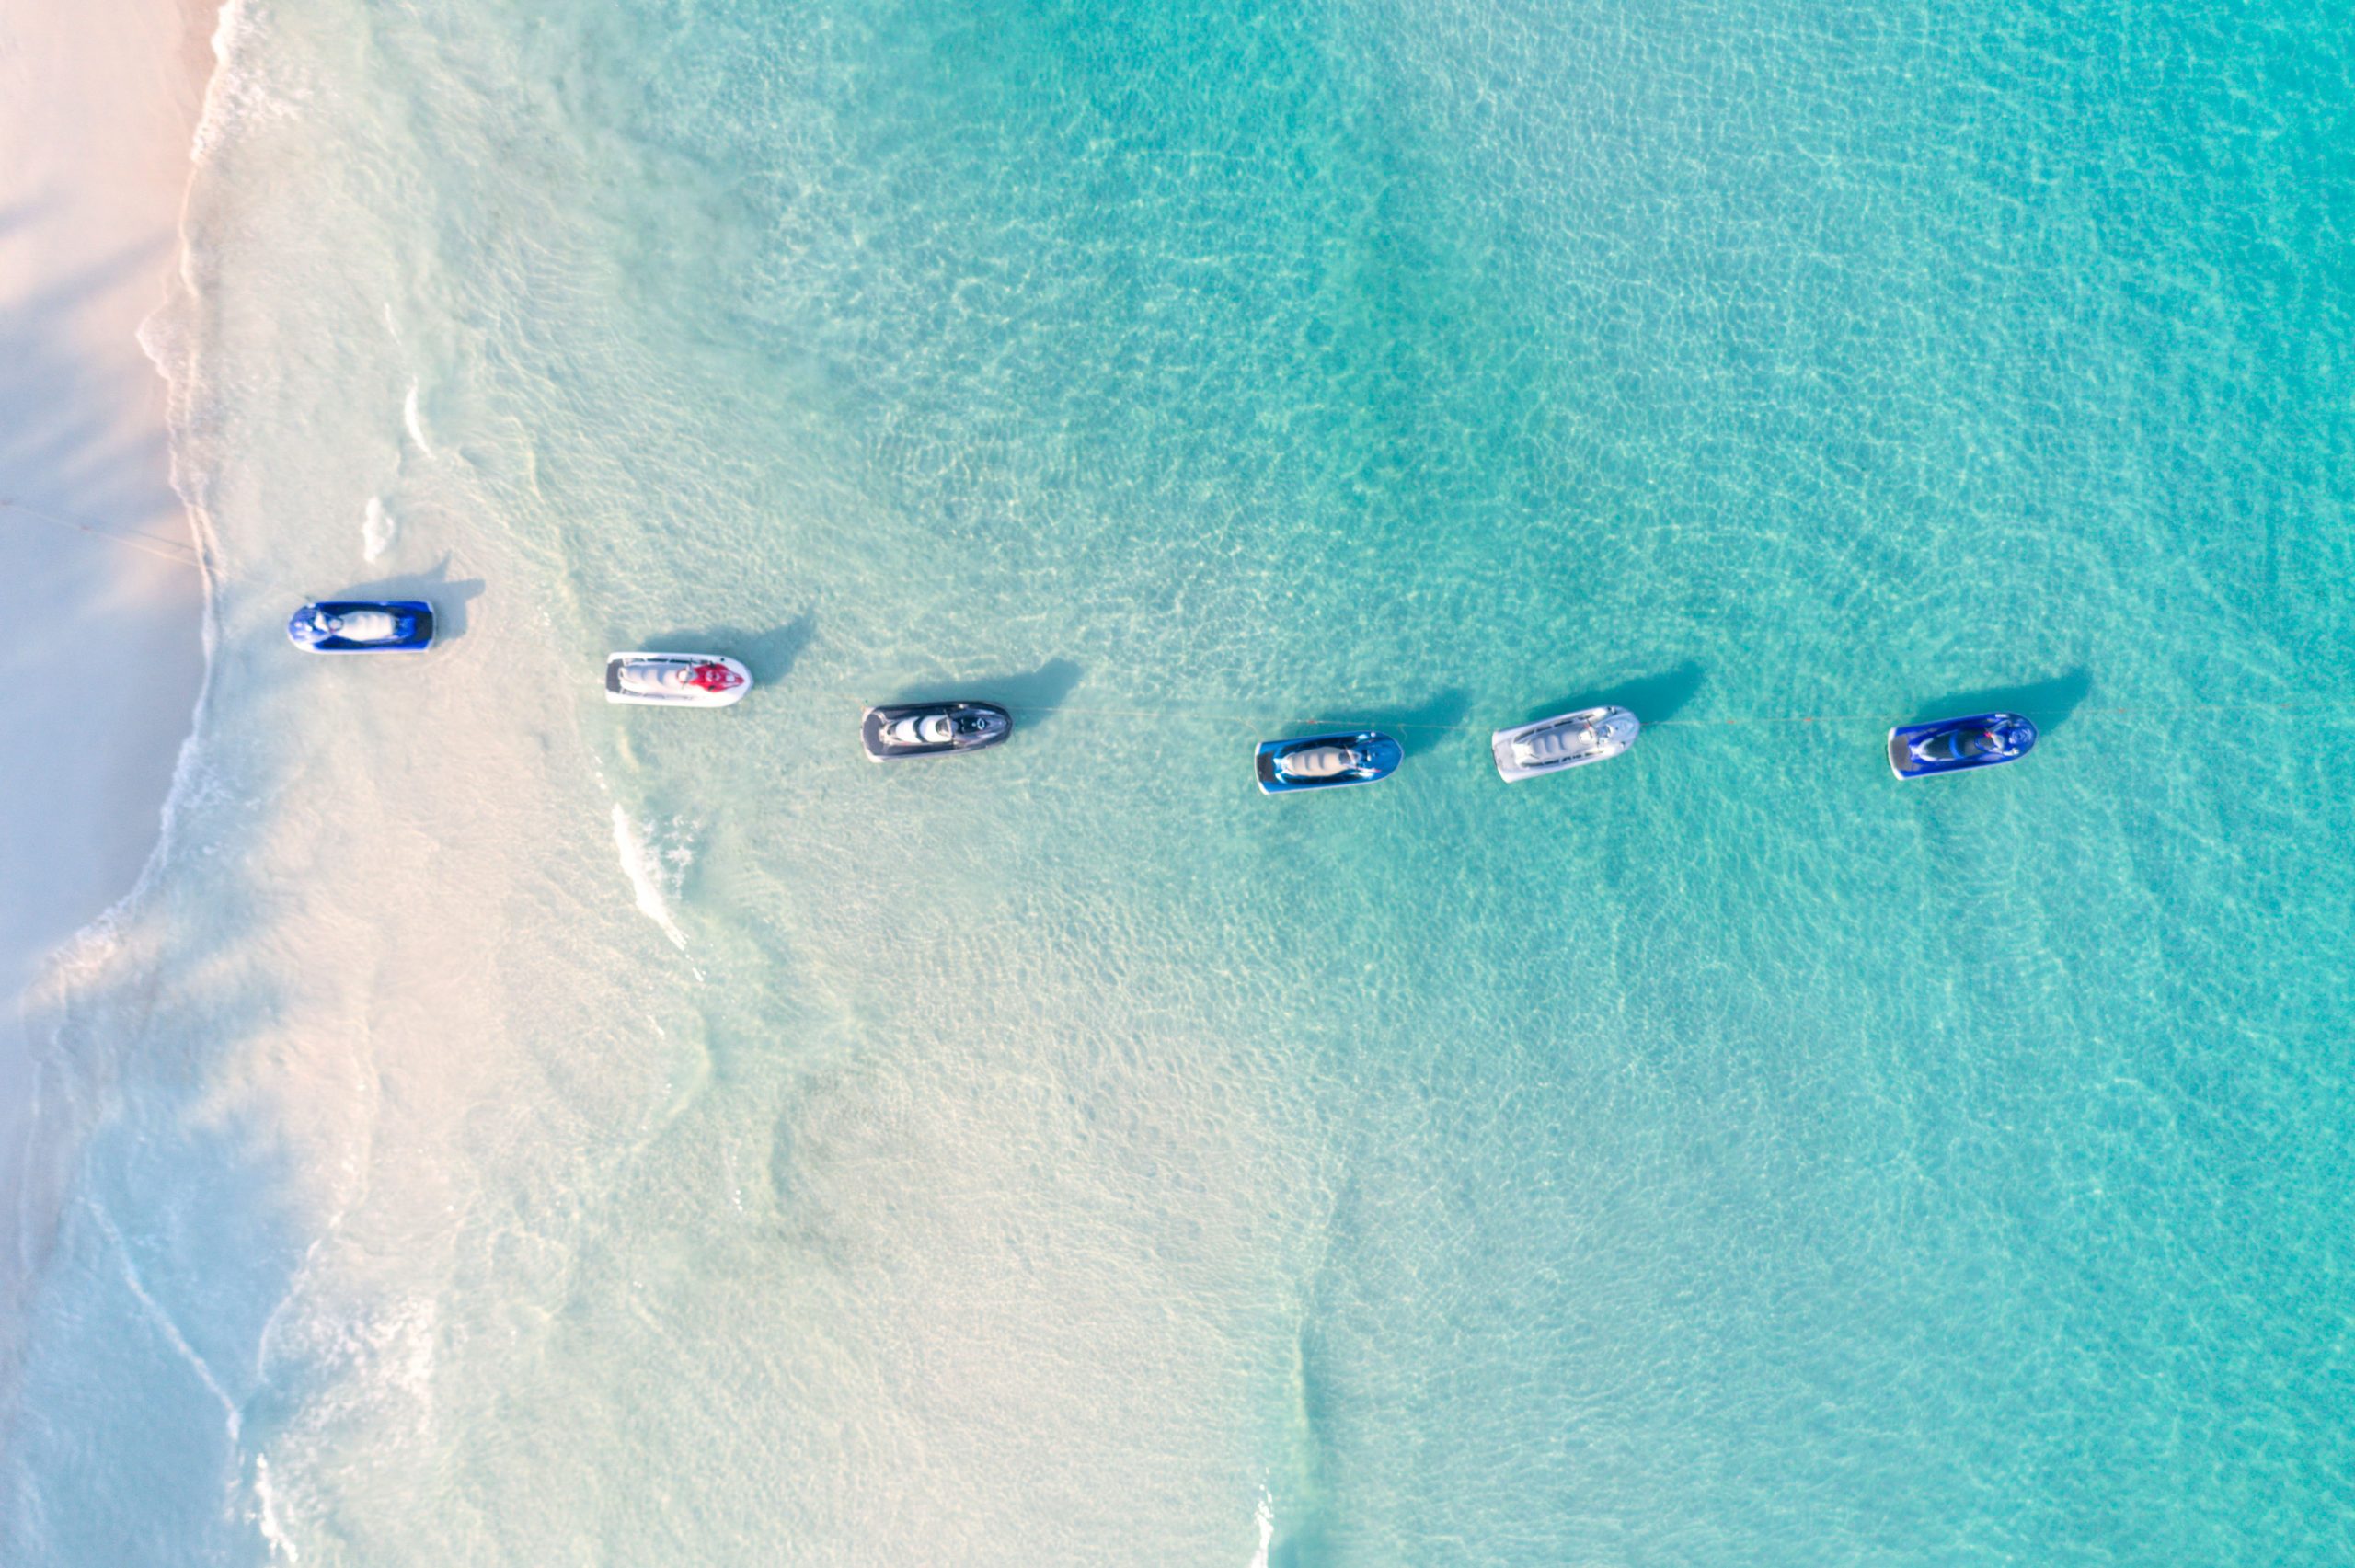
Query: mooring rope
[[187, 554], [1463, 726], [147, 543]]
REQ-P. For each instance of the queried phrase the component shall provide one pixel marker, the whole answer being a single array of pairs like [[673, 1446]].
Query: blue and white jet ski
[[1326, 762], [337, 626], [1952, 745]]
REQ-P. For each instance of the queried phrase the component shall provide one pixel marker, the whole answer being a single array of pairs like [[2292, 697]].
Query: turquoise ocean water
[[510, 1130]]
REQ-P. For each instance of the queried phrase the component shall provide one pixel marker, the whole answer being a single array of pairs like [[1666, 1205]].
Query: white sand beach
[[100, 597]]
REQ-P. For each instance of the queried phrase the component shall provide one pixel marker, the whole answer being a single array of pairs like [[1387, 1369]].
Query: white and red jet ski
[[676, 679]]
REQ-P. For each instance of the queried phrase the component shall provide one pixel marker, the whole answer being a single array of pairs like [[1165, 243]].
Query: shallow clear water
[[514, 1129]]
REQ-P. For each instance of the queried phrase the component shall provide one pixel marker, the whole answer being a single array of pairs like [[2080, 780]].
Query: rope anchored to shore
[[1884, 720], [188, 555], [163, 549]]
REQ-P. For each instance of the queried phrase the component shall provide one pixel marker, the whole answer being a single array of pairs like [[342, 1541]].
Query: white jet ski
[[1566, 740], [676, 679]]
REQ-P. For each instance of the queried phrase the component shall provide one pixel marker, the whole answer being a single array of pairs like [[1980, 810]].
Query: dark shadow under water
[[2048, 703], [769, 655], [1033, 695], [1651, 698], [1416, 729], [448, 595]]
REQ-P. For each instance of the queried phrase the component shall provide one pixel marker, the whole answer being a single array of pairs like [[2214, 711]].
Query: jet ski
[[1326, 762], [932, 729], [1951, 745], [676, 679], [337, 625], [1566, 740]]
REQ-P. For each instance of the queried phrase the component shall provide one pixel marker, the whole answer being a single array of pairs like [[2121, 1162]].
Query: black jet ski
[[932, 729]]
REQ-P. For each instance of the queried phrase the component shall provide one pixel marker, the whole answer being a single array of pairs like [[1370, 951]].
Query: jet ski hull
[[414, 614], [2016, 735], [1386, 754], [1616, 727], [881, 748], [693, 697]]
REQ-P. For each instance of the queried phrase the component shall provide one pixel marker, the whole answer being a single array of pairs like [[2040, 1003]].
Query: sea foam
[[655, 857], [377, 527], [413, 420]]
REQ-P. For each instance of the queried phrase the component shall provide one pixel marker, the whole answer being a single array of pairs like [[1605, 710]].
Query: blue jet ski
[[402, 625], [1326, 762], [1951, 745]]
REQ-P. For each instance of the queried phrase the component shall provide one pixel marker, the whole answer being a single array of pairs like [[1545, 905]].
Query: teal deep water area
[[515, 1129]]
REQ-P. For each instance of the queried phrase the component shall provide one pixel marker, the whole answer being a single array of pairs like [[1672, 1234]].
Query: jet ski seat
[[1320, 762], [1552, 745], [366, 626]]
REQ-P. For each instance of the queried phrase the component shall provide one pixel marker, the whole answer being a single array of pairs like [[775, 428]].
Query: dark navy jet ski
[[932, 729], [335, 626], [1951, 745], [1326, 762]]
